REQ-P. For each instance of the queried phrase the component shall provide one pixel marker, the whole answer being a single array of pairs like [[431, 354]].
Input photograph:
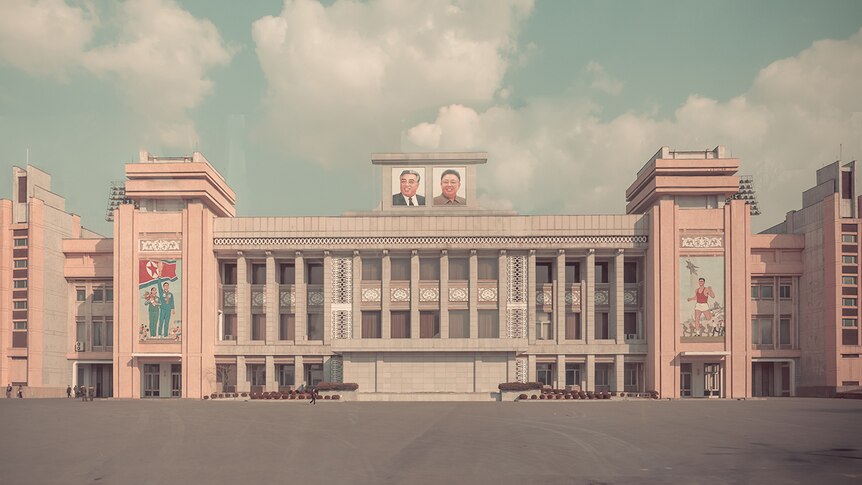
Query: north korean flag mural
[[160, 285]]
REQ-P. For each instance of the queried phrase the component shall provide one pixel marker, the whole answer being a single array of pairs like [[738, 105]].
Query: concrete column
[[619, 373], [271, 308], [511, 367], [385, 323], [588, 303], [327, 298], [473, 294], [444, 294], [561, 371], [414, 294], [243, 301], [242, 384], [271, 380], [531, 368], [560, 299], [357, 296], [591, 372], [617, 299], [298, 371], [531, 301], [502, 295], [301, 290]]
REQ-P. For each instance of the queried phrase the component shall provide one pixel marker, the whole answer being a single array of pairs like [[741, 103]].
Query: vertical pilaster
[[243, 301], [242, 384], [561, 371], [357, 296], [619, 373], [532, 375], [414, 294], [617, 294], [560, 299], [503, 296], [444, 294], [531, 303], [298, 371], [327, 298], [591, 372], [385, 297], [271, 380], [588, 302], [301, 305], [271, 308], [473, 292]]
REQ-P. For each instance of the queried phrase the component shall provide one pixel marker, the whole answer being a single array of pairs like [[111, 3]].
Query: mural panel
[[411, 183], [701, 304], [160, 287], [453, 186]]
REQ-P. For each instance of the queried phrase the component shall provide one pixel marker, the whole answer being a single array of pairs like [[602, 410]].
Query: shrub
[[568, 396], [519, 386], [534, 397], [214, 395], [336, 397], [245, 394], [206, 397], [326, 397], [522, 396], [337, 386], [558, 396]]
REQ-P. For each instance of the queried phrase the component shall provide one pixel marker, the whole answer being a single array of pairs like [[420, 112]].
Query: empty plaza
[[640, 441]]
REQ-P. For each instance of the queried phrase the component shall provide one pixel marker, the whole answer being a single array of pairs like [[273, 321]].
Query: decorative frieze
[[399, 293], [258, 297], [433, 241], [229, 297], [573, 296], [459, 294], [159, 245], [516, 322], [487, 294], [342, 280], [429, 294], [516, 279], [336, 369], [370, 294], [630, 296], [287, 297], [603, 296], [701, 242], [315, 297], [342, 324], [544, 296], [521, 369]]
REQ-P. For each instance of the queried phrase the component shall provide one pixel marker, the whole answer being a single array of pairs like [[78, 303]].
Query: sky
[[289, 99]]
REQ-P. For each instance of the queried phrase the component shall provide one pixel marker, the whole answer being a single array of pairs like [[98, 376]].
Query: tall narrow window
[[459, 324], [314, 273], [544, 328], [371, 325], [573, 273], [429, 324], [229, 326], [573, 326], [489, 269], [544, 272], [286, 274], [630, 272], [602, 327], [400, 269], [400, 324], [258, 274], [371, 269], [602, 272], [459, 269], [489, 324], [429, 269], [631, 325], [315, 326], [228, 273], [286, 326], [258, 326]]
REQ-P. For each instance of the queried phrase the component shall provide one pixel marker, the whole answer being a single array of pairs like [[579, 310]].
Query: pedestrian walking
[[83, 394], [68, 391], [20, 392], [313, 395], [9, 391]]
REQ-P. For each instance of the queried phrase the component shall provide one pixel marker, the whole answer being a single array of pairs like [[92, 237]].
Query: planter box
[[345, 395]]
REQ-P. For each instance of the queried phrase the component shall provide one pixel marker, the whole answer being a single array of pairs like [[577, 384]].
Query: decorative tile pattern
[[459, 294], [487, 294], [573, 296], [517, 279], [701, 242], [516, 322], [630, 296], [258, 297], [433, 242], [544, 297], [603, 296], [287, 298], [229, 297], [342, 280], [399, 293], [429, 294], [342, 324], [315, 297], [336, 369], [521, 370], [159, 245], [370, 294]]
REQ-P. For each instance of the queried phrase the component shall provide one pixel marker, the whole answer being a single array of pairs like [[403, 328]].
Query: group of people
[[160, 306], [19, 394], [80, 391], [450, 184]]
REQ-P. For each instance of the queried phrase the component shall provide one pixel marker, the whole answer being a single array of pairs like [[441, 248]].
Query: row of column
[[618, 384]]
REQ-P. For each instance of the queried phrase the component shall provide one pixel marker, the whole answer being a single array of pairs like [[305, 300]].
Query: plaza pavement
[[48, 441]]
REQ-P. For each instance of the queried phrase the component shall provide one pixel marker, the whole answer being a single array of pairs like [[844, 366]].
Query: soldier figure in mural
[[152, 302], [167, 309], [159, 301]]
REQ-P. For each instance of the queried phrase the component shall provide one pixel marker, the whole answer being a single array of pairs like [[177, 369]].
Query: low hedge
[[337, 386], [519, 386]]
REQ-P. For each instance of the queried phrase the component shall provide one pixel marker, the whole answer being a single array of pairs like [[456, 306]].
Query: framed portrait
[[408, 187], [450, 186]]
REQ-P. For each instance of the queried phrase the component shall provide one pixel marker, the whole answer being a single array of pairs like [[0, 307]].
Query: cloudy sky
[[289, 98]]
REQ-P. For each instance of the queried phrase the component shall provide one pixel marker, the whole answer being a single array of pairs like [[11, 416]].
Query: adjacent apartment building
[[430, 296]]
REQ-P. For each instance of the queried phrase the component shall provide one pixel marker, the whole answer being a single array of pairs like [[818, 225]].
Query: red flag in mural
[[152, 270]]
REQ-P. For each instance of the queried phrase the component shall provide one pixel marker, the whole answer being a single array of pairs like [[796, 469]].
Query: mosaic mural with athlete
[[160, 288], [701, 305]]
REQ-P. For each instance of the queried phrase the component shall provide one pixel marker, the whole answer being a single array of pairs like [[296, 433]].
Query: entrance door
[[176, 380], [785, 379], [685, 380], [151, 380], [313, 374], [712, 380]]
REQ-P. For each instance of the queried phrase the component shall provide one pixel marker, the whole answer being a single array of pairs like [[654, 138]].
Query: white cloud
[[557, 155], [602, 81], [351, 76], [160, 62]]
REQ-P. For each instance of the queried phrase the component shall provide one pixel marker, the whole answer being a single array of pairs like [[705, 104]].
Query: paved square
[[170, 441]]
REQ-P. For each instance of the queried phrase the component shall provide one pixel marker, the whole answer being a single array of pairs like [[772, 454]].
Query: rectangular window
[[19, 305], [399, 324], [848, 280], [19, 284], [286, 274], [573, 374], [603, 377], [314, 326], [848, 301], [784, 292], [848, 238], [545, 374], [544, 273], [19, 340], [258, 274], [459, 324], [371, 324], [429, 269], [256, 375], [20, 242], [848, 322], [400, 269], [489, 269], [755, 292], [20, 325], [80, 334], [761, 331], [80, 294], [846, 259], [544, 328], [573, 273], [849, 336], [429, 324], [228, 273], [372, 269], [258, 326], [573, 326], [314, 273], [766, 292], [226, 377], [229, 331], [20, 263], [489, 324], [630, 272], [602, 272], [603, 331], [784, 331], [631, 377], [459, 269], [286, 375], [98, 333], [98, 294], [286, 326], [630, 325], [109, 294]]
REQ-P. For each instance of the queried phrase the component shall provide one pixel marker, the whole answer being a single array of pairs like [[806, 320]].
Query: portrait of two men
[[411, 185]]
